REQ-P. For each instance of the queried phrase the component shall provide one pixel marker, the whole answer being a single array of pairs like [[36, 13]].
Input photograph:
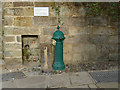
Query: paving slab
[[80, 78], [9, 84], [108, 85], [92, 86], [82, 86], [30, 82], [59, 80]]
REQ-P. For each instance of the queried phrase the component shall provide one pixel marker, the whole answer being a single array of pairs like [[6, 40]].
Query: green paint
[[58, 36]]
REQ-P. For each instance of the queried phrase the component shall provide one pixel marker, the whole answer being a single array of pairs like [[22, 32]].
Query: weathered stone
[[11, 61], [51, 30], [78, 11], [113, 56], [9, 38], [103, 51], [22, 31], [113, 39], [8, 21], [31, 82], [28, 11], [52, 12], [77, 21], [84, 52], [44, 21], [107, 48], [81, 86], [44, 4], [8, 4], [57, 81], [65, 11], [46, 39], [12, 53], [19, 39], [22, 4], [23, 21], [18, 12], [80, 30], [92, 86], [98, 39], [98, 21], [104, 30], [8, 84], [77, 39], [9, 11], [81, 78], [9, 46]]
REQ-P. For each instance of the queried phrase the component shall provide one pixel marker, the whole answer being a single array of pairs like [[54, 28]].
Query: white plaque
[[41, 11]]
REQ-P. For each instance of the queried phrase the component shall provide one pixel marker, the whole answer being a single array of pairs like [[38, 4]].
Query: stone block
[[73, 30], [45, 21], [81, 78], [98, 39], [23, 21], [46, 39], [9, 38], [77, 21], [13, 53], [113, 39], [1, 55], [84, 52], [9, 46], [57, 81], [103, 50], [8, 11], [113, 56], [105, 30], [51, 30], [8, 4], [22, 4], [13, 61], [28, 11], [98, 21], [18, 12], [19, 39], [22, 31], [52, 12], [79, 87], [8, 84], [67, 53], [68, 58], [31, 82], [65, 11], [107, 48], [8, 21], [44, 4], [77, 39]]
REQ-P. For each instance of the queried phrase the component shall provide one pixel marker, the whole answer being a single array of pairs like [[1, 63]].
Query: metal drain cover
[[107, 76], [12, 75]]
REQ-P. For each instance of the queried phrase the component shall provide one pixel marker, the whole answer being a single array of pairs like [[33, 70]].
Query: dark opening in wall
[[30, 49]]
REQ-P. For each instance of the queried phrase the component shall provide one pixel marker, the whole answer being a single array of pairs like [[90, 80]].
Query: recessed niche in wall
[[30, 50]]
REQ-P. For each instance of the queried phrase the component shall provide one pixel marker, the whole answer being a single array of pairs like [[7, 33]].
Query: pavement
[[64, 80]]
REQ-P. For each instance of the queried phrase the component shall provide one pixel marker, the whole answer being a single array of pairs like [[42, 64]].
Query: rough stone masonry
[[92, 39], [0, 32]]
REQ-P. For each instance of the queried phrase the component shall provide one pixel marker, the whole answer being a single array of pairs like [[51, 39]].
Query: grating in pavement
[[12, 76], [107, 76]]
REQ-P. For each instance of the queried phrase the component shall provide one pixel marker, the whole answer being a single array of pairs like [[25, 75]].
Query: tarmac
[[64, 80]]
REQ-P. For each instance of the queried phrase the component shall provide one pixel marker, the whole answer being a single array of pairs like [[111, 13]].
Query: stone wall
[[90, 39], [0, 31]]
